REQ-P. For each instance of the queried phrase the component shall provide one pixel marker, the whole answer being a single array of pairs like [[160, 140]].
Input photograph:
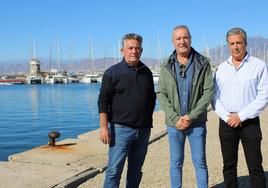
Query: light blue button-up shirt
[[184, 84], [243, 89]]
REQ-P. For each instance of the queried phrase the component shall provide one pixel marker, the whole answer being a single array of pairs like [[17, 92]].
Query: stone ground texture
[[156, 166]]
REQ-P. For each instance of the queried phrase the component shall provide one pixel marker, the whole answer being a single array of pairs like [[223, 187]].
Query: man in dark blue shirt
[[126, 104]]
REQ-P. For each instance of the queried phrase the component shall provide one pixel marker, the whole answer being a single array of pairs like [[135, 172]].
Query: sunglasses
[[182, 71]]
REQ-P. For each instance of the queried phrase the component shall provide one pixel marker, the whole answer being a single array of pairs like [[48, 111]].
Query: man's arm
[[254, 108], [163, 98], [104, 130], [217, 106], [103, 104]]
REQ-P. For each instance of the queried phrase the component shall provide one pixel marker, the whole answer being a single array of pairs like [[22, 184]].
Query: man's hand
[[183, 123], [234, 120], [105, 135]]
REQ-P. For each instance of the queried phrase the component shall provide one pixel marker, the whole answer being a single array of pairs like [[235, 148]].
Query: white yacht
[[31, 79], [90, 78], [155, 77], [56, 79]]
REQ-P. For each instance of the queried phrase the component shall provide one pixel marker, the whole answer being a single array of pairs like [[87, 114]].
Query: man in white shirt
[[241, 94]]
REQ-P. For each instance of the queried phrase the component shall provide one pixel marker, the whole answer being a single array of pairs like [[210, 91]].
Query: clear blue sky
[[74, 22]]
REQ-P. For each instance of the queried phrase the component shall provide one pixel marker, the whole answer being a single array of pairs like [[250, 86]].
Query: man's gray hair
[[237, 31], [183, 27], [132, 36]]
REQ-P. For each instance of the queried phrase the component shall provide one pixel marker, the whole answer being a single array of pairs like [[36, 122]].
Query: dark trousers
[[250, 135]]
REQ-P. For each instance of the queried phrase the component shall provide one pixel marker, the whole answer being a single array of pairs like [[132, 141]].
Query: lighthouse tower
[[34, 67]]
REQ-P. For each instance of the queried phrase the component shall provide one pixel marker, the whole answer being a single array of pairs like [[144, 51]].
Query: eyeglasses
[[182, 71]]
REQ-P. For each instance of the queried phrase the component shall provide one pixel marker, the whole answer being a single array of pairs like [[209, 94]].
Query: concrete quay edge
[[84, 176], [72, 163]]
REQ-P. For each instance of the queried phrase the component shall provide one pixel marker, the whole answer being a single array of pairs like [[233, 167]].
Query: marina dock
[[68, 164]]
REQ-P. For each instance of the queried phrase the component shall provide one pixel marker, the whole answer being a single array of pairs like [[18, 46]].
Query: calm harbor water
[[29, 112]]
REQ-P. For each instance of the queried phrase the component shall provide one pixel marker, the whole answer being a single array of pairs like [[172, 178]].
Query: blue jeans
[[197, 139], [125, 143]]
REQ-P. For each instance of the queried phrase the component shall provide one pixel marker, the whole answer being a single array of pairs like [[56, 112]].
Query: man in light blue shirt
[[241, 94]]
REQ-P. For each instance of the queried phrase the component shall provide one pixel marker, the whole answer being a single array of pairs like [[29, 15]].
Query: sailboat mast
[[92, 58], [34, 50], [114, 58], [58, 52], [91, 61], [119, 50], [50, 59], [159, 51]]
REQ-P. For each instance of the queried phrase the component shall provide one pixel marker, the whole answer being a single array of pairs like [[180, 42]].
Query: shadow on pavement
[[243, 182]]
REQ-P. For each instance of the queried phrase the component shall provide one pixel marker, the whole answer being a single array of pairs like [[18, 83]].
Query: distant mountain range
[[257, 46], [75, 66]]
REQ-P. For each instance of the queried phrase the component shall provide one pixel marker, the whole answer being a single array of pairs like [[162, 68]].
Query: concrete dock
[[68, 164], [82, 161]]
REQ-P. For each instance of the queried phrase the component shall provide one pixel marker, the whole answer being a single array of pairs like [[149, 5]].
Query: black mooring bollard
[[52, 137]]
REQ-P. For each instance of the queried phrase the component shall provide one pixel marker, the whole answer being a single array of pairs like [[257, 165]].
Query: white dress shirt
[[243, 89]]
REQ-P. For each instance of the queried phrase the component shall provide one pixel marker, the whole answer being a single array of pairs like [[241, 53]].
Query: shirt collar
[[189, 61], [230, 60], [140, 64]]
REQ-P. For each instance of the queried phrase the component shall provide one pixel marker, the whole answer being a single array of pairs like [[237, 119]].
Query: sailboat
[[91, 77], [55, 77]]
